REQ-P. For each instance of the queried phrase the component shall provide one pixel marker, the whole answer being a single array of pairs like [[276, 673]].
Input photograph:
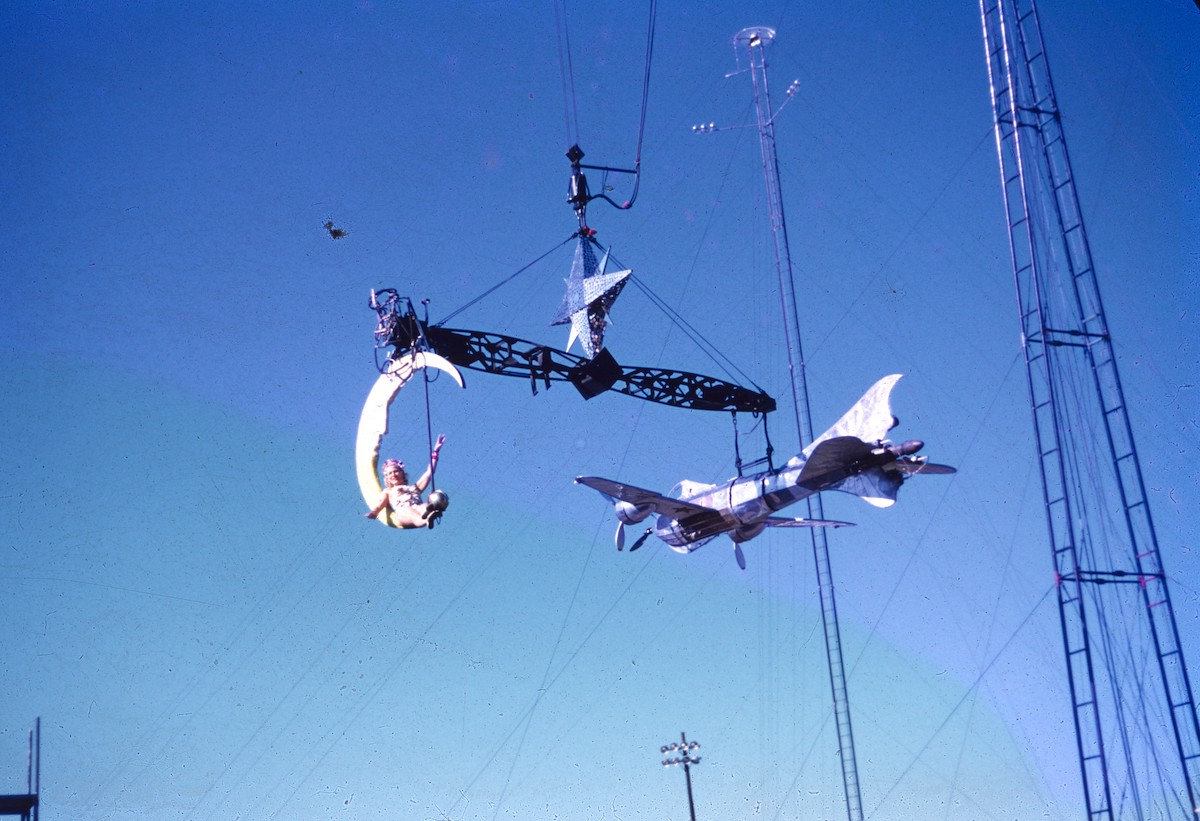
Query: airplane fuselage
[[741, 506]]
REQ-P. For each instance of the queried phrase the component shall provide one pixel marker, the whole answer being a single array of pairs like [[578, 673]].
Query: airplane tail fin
[[777, 521]]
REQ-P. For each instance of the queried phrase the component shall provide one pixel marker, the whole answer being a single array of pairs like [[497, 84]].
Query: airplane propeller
[[739, 555], [620, 538]]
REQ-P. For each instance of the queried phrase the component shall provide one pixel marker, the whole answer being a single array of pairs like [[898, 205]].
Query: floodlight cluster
[[684, 749]]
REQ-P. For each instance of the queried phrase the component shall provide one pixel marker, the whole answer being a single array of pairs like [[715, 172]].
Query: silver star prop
[[590, 294]]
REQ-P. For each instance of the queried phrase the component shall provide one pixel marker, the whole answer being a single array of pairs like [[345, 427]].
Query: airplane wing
[[777, 521], [662, 505], [832, 459], [871, 417], [832, 466]]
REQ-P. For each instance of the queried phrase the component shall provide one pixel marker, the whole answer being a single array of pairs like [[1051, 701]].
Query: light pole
[[683, 751]]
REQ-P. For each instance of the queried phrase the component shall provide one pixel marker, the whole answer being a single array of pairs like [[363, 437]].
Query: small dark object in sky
[[336, 233]]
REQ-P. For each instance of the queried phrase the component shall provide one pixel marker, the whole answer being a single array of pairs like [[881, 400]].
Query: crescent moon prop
[[373, 423]]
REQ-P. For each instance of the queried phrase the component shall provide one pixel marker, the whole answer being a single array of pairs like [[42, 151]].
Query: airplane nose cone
[[910, 447]]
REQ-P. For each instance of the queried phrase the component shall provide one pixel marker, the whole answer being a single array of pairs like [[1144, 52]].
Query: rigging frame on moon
[[401, 329]]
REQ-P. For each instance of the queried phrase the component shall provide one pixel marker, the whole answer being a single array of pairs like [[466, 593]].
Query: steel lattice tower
[[755, 40], [1134, 715]]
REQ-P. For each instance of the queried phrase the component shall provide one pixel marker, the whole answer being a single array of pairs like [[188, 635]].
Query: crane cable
[[566, 72], [571, 106]]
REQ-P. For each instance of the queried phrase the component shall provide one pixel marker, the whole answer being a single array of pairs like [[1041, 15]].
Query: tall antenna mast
[[1136, 730], [754, 42]]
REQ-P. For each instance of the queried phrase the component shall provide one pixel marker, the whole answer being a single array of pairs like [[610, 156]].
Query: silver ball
[[438, 501]]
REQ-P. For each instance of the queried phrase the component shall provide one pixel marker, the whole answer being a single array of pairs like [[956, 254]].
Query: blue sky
[[193, 602]]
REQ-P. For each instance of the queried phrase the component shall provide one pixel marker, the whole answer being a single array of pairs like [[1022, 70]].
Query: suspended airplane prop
[[852, 456]]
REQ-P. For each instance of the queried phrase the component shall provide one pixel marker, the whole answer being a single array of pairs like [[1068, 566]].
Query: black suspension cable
[[505, 281], [566, 72], [637, 162], [429, 419], [570, 103], [722, 361]]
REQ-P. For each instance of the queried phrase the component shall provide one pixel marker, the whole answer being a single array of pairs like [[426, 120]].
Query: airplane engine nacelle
[[677, 537], [746, 502], [747, 532], [631, 514]]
